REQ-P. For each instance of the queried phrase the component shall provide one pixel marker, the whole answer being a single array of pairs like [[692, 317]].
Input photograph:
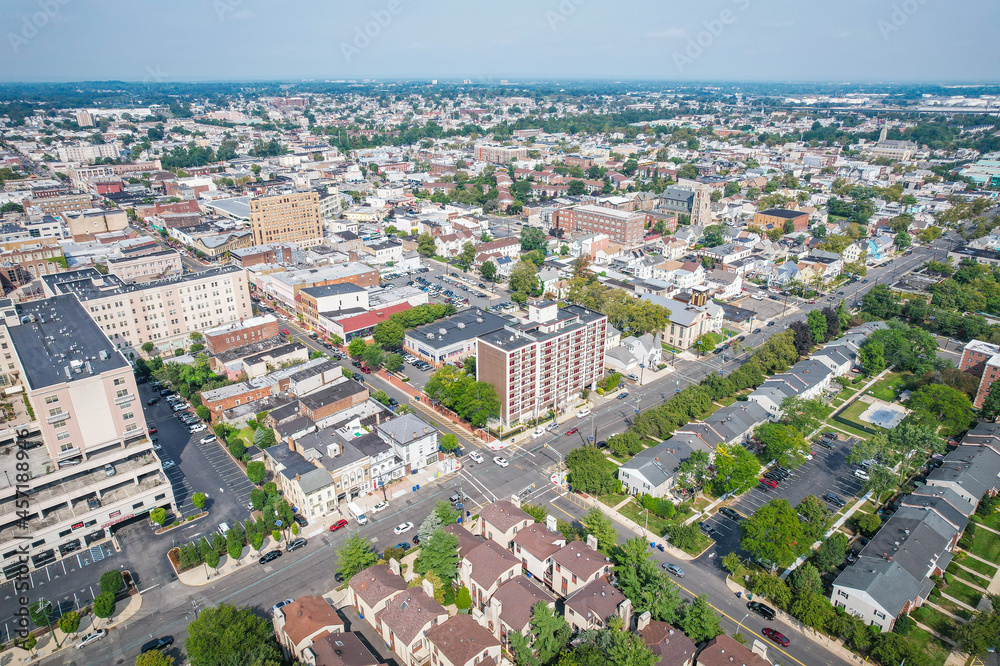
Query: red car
[[770, 483], [572, 431], [284, 331], [337, 525], [775, 636], [152, 431]]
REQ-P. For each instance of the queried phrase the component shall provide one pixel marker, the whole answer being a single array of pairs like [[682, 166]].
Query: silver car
[[674, 569]]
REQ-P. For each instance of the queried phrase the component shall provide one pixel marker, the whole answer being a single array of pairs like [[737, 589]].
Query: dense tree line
[[389, 333]]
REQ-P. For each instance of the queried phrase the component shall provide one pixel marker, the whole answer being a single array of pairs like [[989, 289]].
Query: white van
[[357, 512], [223, 528]]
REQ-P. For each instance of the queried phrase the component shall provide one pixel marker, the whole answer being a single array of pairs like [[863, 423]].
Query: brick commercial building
[[244, 332], [97, 466], [292, 217], [497, 154], [63, 203], [777, 217], [544, 362], [149, 266], [983, 360], [621, 226], [272, 253]]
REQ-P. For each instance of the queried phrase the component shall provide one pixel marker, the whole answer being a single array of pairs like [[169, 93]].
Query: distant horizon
[[859, 41], [372, 80]]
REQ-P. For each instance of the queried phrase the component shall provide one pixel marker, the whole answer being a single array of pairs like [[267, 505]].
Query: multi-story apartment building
[[150, 266], [544, 362], [161, 311], [86, 224], [80, 177], [87, 154], [983, 360], [497, 154], [291, 217], [62, 203], [97, 467], [621, 226], [239, 333]]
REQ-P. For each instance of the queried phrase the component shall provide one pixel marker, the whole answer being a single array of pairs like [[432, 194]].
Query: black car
[[152, 401], [28, 445], [765, 612], [356, 377], [763, 488], [834, 500], [706, 528], [730, 513], [165, 392], [826, 444], [339, 577], [157, 644], [299, 520], [270, 557], [295, 545], [774, 477]]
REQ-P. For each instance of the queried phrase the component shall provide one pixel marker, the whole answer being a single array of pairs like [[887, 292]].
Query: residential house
[[484, 568], [577, 564], [725, 284], [880, 248], [346, 649], [461, 641], [406, 620], [670, 645], [635, 352], [510, 608], [500, 521], [591, 607], [369, 590], [412, 439], [535, 545], [724, 650], [303, 622]]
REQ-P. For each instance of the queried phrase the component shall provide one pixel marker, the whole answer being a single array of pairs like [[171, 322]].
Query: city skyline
[[731, 40]]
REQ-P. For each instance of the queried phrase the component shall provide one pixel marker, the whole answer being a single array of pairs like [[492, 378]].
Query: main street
[[168, 605]]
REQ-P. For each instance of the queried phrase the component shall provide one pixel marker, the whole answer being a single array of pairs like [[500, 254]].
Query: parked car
[[834, 500], [300, 520], [270, 556], [109, 470], [730, 513], [92, 637], [281, 604], [207, 439], [403, 528], [770, 483], [774, 634], [380, 506], [338, 525], [706, 528], [284, 331], [623, 395], [764, 611], [168, 464], [674, 569], [152, 401], [582, 413], [861, 474]]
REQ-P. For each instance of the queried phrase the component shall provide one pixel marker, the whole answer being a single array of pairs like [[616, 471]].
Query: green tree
[[148, 347], [426, 246], [685, 537], [111, 582], [440, 555], [782, 443], [256, 472], [198, 499], [234, 542], [449, 442], [226, 634], [463, 600], [373, 356], [488, 270], [589, 472], [981, 633], [806, 580], [550, 630], [258, 498], [946, 405], [803, 415], [158, 516], [736, 469], [355, 555], [532, 239], [104, 605], [356, 347], [27, 642], [466, 256], [69, 623], [872, 358], [699, 621], [869, 523], [154, 658], [773, 534], [817, 324], [520, 649], [601, 527], [393, 362], [523, 281], [816, 518], [263, 437]]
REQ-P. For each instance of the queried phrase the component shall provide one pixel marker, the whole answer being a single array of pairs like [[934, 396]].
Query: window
[[128, 416], [131, 426], [121, 393], [62, 435], [51, 399], [843, 594], [119, 381]]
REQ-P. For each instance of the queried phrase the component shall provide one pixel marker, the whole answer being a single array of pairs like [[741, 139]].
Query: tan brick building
[[292, 217]]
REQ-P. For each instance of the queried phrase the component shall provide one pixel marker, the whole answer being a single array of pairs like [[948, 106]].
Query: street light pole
[[740, 625]]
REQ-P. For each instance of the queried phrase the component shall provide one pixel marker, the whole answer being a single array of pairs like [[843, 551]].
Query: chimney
[[592, 541], [550, 523], [642, 621], [625, 612], [428, 589], [394, 566]]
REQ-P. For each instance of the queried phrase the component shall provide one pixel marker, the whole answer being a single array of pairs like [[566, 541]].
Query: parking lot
[[827, 472]]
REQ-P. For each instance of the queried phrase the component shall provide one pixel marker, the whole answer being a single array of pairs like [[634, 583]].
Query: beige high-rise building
[[283, 218]]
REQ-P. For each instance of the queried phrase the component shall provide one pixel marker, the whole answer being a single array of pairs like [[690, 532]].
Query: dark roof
[[669, 644], [580, 559], [783, 212], [517, 597], [343, 649], [597, 598], [58, 342], [466, 539], [489, 561], [376, 583], [335, 392], [503, 515], [409, 612], [465, 325], [331, 289], [461, 638]]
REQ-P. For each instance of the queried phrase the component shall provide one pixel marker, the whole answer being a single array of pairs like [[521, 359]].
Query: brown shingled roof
[[597, 598], [539, 541], [669, 644], [376, 583], [408, 613], [503, 515], [460, 639], [343, 650], [579, 558], [466, 539], [518, 596], [723, 650], [307, 615], [489, 561]]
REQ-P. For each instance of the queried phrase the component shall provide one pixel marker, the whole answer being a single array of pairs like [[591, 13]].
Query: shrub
[[948, 578], [920, 614], [904, 625], [111, 582], [464, 599]]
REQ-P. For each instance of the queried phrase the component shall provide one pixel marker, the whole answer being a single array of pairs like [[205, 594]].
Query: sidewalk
[[46, 646]]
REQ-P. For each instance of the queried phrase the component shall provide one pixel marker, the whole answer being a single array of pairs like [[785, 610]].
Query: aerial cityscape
[[560, 333]]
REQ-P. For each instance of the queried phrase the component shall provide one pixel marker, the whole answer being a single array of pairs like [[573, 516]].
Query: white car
[[476, 456], [538, 433], [198, 427], [379, 507], [501, 461], [404, 528], [167, 464], [92, 637], [281, 604], [179, 406], [583, 412], [208, 439], [861, 474]]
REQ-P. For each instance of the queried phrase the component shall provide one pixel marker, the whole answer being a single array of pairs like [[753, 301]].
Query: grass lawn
[[940, 623], [993, 520], [952, 607], [963, 592], [986, 545], [247, 435], [981, 567], [931, 646], [851, 414], [725, 402], [610, 500], [886, 388], [848, 429], [967, 576], [637, 513], [649, 442]]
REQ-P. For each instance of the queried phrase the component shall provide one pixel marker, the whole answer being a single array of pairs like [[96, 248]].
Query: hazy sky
[[759, 40]]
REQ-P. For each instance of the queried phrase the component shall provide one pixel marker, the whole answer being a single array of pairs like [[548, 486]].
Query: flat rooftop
[[58, 342], [88, 283]]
